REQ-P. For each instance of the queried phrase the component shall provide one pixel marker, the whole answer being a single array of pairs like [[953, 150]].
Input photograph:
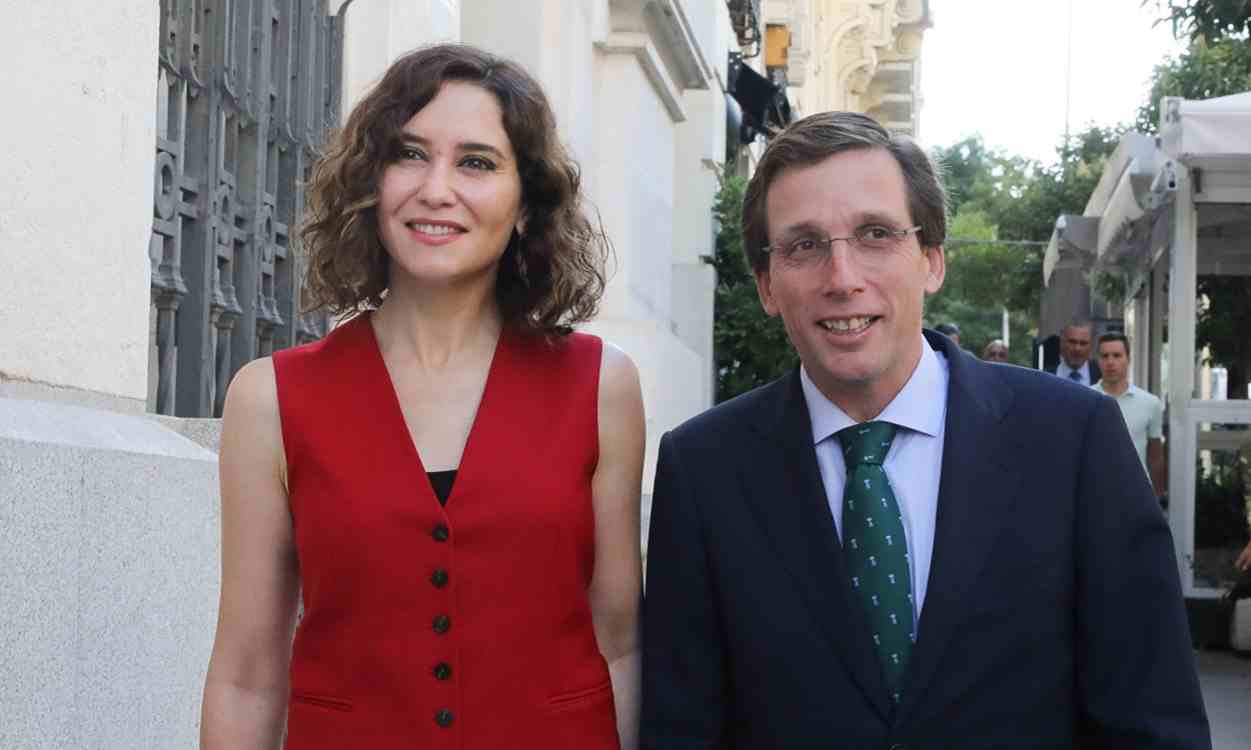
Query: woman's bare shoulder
[[618, 376], [250, 419]]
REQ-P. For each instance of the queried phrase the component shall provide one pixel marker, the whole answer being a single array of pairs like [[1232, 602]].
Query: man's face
[[1113, 362], [995, 352], [1075, 346], [856, 318]]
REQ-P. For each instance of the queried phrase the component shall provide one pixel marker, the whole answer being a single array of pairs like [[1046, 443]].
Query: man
[[950, 330], [1143, 412], [995, 351], [897, 545], [1075, 362]]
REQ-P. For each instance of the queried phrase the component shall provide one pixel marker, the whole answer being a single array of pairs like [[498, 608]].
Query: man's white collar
[[920, 405]]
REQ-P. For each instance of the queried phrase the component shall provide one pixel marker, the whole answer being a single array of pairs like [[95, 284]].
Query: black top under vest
[[442, 481]]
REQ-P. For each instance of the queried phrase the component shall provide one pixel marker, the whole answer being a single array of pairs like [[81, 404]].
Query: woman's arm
[[617, 584], [245, 693]]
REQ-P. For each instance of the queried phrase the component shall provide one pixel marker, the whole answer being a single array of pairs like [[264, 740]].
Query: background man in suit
[[897, 545], [1075, 362], [995, 351]]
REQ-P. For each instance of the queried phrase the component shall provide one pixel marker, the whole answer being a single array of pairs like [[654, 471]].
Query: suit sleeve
[[684, 671], [1137, 679]]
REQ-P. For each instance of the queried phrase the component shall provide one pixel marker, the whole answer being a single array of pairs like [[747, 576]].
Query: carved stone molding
[[668, 31]]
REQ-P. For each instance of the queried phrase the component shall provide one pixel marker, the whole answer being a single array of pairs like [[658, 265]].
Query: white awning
[[1072, 245], [1209, 132], [1123, 194]]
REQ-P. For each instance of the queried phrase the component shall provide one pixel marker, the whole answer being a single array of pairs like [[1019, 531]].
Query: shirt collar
[[921, 405], [1064, 369], [1129, 391]]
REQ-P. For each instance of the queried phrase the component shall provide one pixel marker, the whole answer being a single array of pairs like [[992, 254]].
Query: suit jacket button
[[439, 532], [439, 578], [442, 671], [443, 718], [442, 624]]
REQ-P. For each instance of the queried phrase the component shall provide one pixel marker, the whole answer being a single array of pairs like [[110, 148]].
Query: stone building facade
[[856, 55]]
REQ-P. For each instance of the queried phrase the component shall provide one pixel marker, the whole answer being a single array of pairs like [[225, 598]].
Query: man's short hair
[[814, 139], [1114, 336], [948, 329]]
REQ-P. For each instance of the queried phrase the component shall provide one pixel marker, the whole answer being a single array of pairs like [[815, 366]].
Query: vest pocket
[[322, 701], [575, 698]]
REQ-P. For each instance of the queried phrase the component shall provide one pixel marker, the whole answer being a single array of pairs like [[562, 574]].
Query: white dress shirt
[[1063, 371], [913, 465]]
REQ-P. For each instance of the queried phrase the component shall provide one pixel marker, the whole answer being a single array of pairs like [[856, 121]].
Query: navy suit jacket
[[1053, 618]]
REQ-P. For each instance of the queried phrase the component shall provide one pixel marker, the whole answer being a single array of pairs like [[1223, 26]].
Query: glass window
[[1222, 502], [1223, 302]]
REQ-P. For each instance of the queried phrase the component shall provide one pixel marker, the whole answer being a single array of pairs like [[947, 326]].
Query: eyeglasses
[[870, 245]]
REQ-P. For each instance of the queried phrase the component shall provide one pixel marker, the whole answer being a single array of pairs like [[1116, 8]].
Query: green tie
[[875, 548]]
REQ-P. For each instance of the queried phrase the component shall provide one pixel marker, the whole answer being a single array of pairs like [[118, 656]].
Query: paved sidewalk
[[1226, 682]]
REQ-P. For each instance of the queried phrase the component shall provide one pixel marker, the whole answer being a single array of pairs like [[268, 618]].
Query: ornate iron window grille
[[248, 91]]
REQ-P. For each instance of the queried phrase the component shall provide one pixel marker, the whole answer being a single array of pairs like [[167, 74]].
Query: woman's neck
[[437, 328]]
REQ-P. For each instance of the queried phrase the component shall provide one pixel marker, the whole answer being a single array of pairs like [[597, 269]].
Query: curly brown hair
[[549, 279]]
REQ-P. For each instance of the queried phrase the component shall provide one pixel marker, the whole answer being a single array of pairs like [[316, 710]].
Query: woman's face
[[451, 200]]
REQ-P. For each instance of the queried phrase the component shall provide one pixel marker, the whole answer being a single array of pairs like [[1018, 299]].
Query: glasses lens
[[806, 251], [875, 238]]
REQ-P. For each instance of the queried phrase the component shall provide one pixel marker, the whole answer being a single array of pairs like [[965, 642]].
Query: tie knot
[[1074, 375], [866, 443]]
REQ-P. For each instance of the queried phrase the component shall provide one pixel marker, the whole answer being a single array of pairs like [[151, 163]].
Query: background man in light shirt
[[1075, 363], [897, 545], [1143, 412]]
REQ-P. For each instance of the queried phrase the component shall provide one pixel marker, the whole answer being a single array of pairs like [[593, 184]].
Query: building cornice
[[666, 24]]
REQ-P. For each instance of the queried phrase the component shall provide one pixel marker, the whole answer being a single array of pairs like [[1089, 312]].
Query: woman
[[450, 479]]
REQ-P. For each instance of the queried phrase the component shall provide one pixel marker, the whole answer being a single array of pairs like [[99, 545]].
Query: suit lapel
[[787, 497], [976, 492]]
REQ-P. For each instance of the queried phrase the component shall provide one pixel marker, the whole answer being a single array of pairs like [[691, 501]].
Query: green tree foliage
[[1205, 70], [974, 295], [1052, 190], [1206, 19], [750, 347], [975, 175], [1019, 199]]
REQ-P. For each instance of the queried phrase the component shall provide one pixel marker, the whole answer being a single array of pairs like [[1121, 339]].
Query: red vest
[[466, 627]]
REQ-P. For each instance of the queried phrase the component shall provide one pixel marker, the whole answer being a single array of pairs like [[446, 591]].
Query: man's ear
[[763, 281], [937, 260]]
